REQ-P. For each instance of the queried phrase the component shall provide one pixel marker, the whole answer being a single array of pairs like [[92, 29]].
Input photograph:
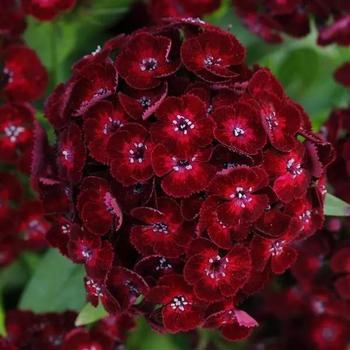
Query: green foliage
[[90, 314], [335, 206], [56, 285]]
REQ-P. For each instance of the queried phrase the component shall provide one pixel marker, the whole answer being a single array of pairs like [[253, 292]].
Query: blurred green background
[[54, 284]]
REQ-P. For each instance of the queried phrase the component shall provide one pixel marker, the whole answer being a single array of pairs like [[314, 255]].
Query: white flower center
[[13, 132], [242, 196], [306, 216], [210, 61], [160, 227], [272, 120], [179, 303], [163, 264], [148, 64], [136, 154], [237, 131], [182, 124], [294, 168], [277, 248], [217, 266]]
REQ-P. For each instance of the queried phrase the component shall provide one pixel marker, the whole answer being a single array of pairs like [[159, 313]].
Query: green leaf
[[335, 206], [90, 314], [56, 285]]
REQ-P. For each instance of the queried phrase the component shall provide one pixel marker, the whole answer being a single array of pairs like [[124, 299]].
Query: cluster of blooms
[[23, 79], [270, 18], [181, 178], [56, 331], [313, 312]]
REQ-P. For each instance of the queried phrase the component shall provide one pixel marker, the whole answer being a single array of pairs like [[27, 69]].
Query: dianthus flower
[[23, 77], [182, 179]]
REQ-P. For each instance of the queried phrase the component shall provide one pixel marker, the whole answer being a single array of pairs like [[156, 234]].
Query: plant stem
[[203, 339]]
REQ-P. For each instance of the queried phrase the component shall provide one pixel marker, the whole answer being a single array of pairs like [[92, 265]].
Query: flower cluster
[[181, 178], [23, 79], [271, 18], [313, 312], [56, 331]]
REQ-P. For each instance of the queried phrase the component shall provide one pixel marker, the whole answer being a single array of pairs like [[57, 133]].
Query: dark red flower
[[92, 83], [80, 339], [59, 233], [277, 250], [183, 173], [100, 122], [97, 292], [129, 150], [280, 118], [309, 216], [222, 235], [32, 225], [239, 128], [163, 231], [181, 310], [144, 61], [126, 286], [182, 124], [56, 105], [237, 188], [212, 55], [26, 77], [154, 266], [72, 153], [16, 131], [234, 324], [97, 255], [98, 208], [46, 10], [141, 104], [216, 276], [290, 178]]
